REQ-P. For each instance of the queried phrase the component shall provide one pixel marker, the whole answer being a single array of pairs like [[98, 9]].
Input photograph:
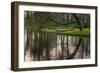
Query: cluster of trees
[[34, 21], [37, 20], [40, 42]]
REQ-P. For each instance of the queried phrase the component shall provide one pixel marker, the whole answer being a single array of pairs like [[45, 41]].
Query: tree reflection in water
[[50, 46]]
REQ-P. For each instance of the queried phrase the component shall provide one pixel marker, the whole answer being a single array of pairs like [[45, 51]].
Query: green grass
[[75, 32]]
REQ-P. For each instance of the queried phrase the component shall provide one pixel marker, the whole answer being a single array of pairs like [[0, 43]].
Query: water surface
[[51, 46]]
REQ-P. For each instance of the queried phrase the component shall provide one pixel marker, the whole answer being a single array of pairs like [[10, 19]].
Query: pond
[[50, 46]]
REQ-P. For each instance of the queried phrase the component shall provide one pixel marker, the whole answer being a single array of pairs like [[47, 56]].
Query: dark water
[[50, 46]]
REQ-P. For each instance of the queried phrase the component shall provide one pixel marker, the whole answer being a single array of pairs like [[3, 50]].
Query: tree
[[77, 17]]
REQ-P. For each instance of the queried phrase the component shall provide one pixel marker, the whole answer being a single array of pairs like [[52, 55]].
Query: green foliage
[[50, 21], [75, 32]]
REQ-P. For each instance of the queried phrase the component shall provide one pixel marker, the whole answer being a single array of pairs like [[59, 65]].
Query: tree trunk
[[79, 21]]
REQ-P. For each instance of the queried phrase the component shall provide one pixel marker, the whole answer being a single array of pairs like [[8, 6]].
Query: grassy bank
[[74, 32]]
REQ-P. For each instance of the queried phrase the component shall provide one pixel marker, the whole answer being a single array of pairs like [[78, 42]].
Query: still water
[[51, 46]]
